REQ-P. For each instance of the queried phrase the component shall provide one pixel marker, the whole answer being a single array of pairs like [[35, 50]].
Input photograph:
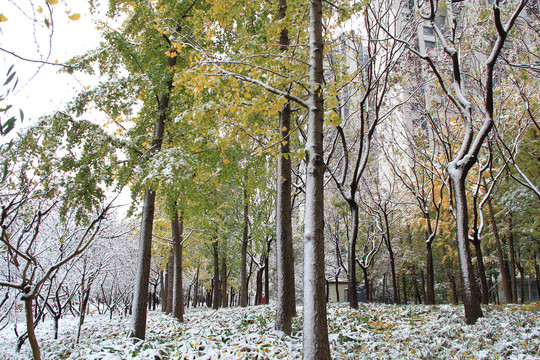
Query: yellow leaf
[[51, 2], [284, 128], [74, 17], [39, 9], [226, 161], [3, 18]]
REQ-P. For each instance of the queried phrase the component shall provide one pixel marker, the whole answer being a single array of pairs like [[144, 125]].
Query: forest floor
[[374, 331]]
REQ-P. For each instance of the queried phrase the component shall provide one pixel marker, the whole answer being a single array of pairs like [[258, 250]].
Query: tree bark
[[170, 283], [404, 280], [512, 258], [481, 270], [243, 262], [315, 334], [388, 243], [177, 227], [471, 302], [224, 298], [351, 271], [142, 279], [503, 268], [267, 275], [30, 329], [216, 287], [367, 284], [430, 281], [285, 295]]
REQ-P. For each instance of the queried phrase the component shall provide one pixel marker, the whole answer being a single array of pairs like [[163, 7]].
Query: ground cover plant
[[374, 331]]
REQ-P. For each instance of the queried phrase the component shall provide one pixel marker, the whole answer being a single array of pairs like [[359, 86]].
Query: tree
[[470, 144]]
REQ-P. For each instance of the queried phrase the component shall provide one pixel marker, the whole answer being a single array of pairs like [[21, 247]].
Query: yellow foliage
[[74, 17], [3, 18], [51, 2]]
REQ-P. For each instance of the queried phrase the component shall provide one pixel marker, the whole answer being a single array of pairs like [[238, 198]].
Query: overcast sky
[[42, 89]]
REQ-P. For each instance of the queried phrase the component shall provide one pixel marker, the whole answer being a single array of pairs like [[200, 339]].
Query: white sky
[[42, 93]]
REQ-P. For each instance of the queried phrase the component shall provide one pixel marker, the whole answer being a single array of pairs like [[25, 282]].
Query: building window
[[428, 30], [429, 44]]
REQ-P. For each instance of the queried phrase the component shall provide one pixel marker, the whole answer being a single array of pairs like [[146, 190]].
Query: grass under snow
[[374, 331]]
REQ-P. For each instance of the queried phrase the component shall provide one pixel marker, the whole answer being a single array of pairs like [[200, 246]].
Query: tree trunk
[[163, 290], [367, 284], [177, 227], [430, 281], [404, 280], [351, 271], [216, 288], [285, 295], [196, 290], [521, 283], [142, 279], [512, 256], [453, 289], [481, 270], [471, 302], [388, 243], [259, 287], [315, 332], [243, 261], [503, 268], [30, 330], [267, 275], [224, 299], [416, 293], [170, 283], [537, 272]]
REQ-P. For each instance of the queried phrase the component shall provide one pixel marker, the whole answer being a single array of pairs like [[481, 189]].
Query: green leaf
[[10, 77]]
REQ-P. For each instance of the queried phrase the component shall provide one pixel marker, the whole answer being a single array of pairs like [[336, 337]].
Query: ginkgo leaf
[[51, 2], [3, 18], [74, 17], [39, 9]]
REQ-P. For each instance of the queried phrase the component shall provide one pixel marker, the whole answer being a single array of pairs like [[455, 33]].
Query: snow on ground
[[374, 331]]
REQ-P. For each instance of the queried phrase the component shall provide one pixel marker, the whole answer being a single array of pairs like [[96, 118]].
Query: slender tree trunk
[[512, 256], [404, 280], [170, 283], [216, 288], [142, 279], [388, 243], [316, 344], [163, 290], [481, 270], [521, 282], [267, 275], [453, 289], [30, 329], [259, 287], [353, 294], [367, 284], [471, 302], [430, 276], [177, 227], [416, 293], [503, 268], [285, 295], [224, 298], [244, 280], [196, 290], [537, 272]]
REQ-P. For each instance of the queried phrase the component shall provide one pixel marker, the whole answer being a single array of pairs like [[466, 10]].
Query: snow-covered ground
[[374, 331]]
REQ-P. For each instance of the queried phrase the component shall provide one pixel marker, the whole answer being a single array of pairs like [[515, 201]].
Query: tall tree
[[315, 331]]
